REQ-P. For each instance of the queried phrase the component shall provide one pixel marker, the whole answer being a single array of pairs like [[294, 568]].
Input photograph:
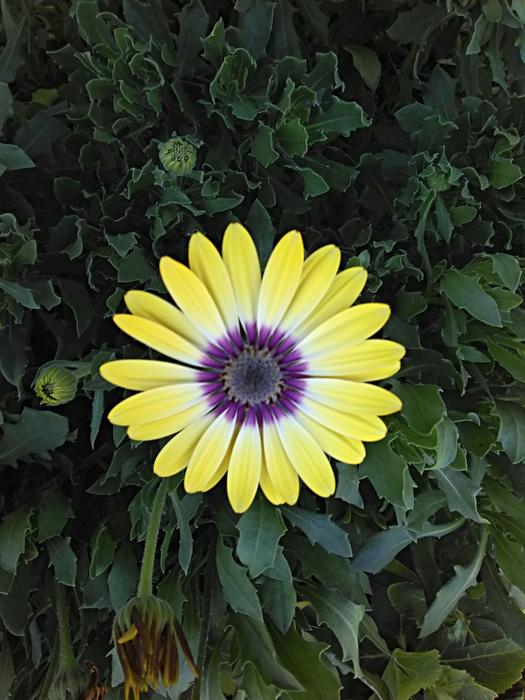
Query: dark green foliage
[[392, 129]]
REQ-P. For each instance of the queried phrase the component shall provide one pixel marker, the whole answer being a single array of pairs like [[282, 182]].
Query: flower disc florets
[[147, 636]]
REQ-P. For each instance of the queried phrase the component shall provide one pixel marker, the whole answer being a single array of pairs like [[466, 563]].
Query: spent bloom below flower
[[148, 636], [269, 372]]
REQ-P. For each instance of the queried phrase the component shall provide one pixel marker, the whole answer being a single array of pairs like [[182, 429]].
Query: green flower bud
[[55, 386], [178, 155]]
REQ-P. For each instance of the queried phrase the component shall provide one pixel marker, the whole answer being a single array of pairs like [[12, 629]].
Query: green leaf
[[408, 672], [508, 269], [63, 560], [325, 73], [6, 104], [13, 355], [461, 492], [513, 363], [102, 551], [441, 93], [256, 646], [122, 577], [238, 590], [511, 431], [412, 26], [388, 474], [319, 528], [305, 660], [503, 173], [497, 664], [16, 33], [97, 411], [255, 23], [193, 24], [423, 407], [348, 484], [260, 530], [447, 445], [53, 513], [367, 64], [13, 158], [509, 555], [279, 601], [260, 225], [254, 686], [448, 596], [184, 511], [7, 670], [35, 432], [380, 549], [466, 292], [19, 293], [313, 184], [262, 146], [453, 684], [507, 614], [343, 617], [341, 118], [13, 532], [293, 137]]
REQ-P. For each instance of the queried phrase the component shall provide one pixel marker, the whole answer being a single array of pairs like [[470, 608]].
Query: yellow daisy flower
[[269, 371]]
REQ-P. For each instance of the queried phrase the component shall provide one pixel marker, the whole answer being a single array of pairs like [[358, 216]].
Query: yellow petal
[[220, 471], [280, 470], [129, 635], [342, 293], [168, 426], [307, 457], [209, 453], [159, 338], [352, 397], [139, 375], [280, 280], [362, 362], [191, 295], [244, 470], [242, 262], [367, 428], [319, 270], [175, 455], [268, 487], [154, 404], [344, 330], [209, 267], [151, 306], [345, 449]]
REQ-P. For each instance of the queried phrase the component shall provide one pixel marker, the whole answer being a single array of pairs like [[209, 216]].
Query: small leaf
[[449, 595], [63, 560], [366, 64], [461, 492], [260, 530], [465, 292], [238, 590], [13, 158], [53, 513], [408, 672], [423, 407], [262, 146], [13, 532], [34, 432], [511, 431], [380, 549], [319, 528]]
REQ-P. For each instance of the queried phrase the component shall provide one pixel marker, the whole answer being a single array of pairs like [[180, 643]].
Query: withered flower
[[78, 683], [147, 636]]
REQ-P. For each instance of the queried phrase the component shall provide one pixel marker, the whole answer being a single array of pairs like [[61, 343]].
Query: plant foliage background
[[395, 130]]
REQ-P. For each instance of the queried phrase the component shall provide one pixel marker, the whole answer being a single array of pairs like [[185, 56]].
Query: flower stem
[[51, 672], [145, 587], [66, 653], [206, 619]]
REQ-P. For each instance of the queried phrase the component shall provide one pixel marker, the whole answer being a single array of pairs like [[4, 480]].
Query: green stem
[[145, 587], [206, 619], [66, 653], [50, 674]]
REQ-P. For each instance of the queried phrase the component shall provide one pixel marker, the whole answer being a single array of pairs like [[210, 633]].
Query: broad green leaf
[[348, 484], [279, 600], [408, 599], [503, 173], [13, 354], [255, 23], [62, 559], [506, 612], [53, 513], [423, 407], [35, 432], [412, 26], [440, 93], [254, 686], [320, 528], [496, 664], [453, 684], [367, 64], [408, 672], [19, 293], [511, 431], [262, 146], [102, 551], [325, 73], [340, 118], [466, 292], [313, 184], [13, 533], [461, 492], [447, 447], [293, 137], [193, 24], [13, 158], [210, 685], [449, 595], [380, 549], [14, 607], [343, 617], [16, 32], [388, 474], [305, 660], [509, 555], [238, 590], [260, 530], [122, 577], [256, 646], [508, 269], [513, 363], [184, 511], [260, 225]]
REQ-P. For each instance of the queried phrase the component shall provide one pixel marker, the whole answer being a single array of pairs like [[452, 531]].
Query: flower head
[[178, 155], [148, 636], [78, 683], [55, 386], [268, 372]]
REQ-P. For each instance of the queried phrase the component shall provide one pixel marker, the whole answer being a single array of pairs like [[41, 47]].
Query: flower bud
[[55, 386], [178, 156]]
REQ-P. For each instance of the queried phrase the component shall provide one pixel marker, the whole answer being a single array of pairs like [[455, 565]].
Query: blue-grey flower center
[[253, 377]]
